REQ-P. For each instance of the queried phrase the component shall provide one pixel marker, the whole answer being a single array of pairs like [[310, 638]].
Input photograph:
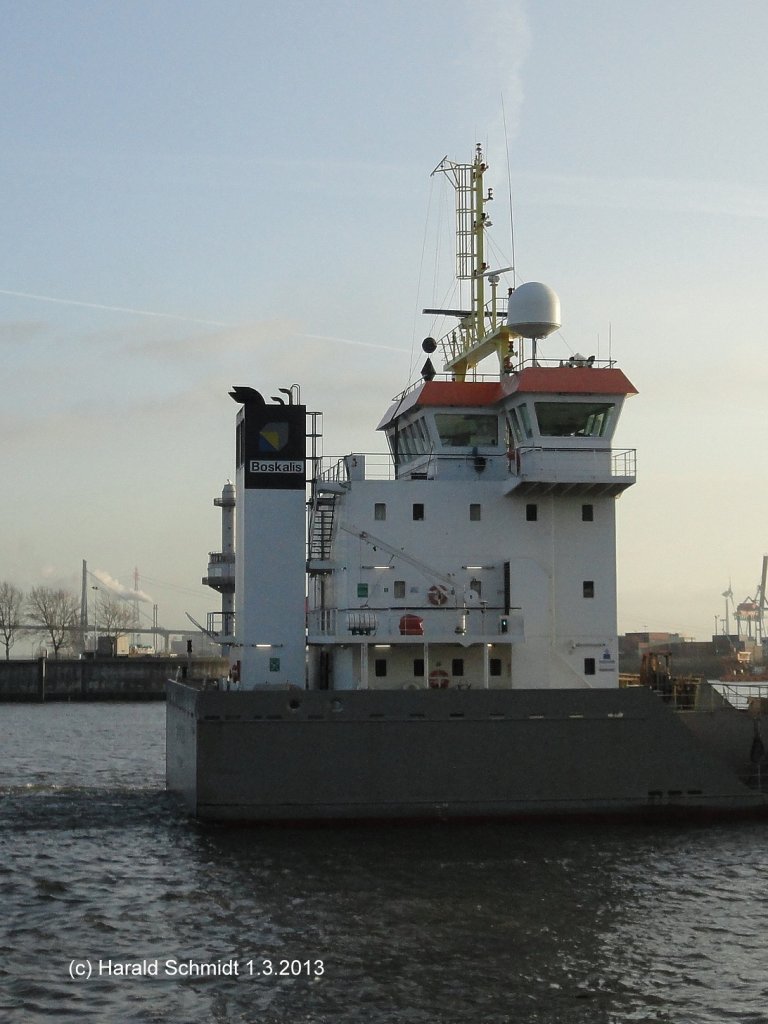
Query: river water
[[100, 873]]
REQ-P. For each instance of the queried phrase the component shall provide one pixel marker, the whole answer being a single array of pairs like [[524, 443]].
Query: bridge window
[[514, 426], [573, 419], [525, 419], [462, 430]]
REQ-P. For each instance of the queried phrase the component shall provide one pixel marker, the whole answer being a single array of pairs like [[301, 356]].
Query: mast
[[466, 345]]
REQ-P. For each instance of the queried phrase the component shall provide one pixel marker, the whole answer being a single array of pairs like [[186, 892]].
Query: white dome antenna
[[533, 310]]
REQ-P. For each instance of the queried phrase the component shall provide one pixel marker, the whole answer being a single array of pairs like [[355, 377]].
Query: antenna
[[509, 189]]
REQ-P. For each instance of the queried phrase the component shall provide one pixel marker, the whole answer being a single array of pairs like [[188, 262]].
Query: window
[[475, 512], [418, 668], [418, 511], [380, 667], [399, 588], [406, 441], [380, 510], [587, 513], [526, 421], [514, 424], [457, 667], [463, 430], [573, 419], [362, 590], [494, 666], [531, 513], [421, 429], [477, 587], [589, 666], [588, 588]]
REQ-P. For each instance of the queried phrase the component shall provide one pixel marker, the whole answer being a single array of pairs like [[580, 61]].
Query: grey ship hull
[[294, 755]]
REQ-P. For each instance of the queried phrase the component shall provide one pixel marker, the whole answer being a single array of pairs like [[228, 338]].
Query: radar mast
[[482, 329]]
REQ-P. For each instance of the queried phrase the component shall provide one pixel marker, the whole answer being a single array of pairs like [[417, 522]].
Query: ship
[[433, 635]]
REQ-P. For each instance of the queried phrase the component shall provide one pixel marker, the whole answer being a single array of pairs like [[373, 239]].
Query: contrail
[[185, 319], [350, 341], [115, 309]]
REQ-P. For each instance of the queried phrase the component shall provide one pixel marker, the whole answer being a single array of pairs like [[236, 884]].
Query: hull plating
[[320, 755]]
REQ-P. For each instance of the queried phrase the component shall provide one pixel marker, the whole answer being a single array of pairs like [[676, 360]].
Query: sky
[[199, 194]]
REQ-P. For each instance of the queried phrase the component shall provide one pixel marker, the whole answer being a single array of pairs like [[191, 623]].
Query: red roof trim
[[559, 380], [463, 393], [572, 380]]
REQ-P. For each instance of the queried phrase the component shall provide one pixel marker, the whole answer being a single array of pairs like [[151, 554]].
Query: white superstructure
[[488, 557]]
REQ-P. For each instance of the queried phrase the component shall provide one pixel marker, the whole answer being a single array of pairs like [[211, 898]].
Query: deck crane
[[376, 542]]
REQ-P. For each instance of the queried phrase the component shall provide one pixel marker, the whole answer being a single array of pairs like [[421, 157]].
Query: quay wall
[[141, 678]]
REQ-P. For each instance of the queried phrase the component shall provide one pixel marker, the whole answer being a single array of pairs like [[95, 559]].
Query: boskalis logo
[[273, 437]]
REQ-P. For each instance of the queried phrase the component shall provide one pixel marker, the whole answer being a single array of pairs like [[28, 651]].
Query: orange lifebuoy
[[437, 595], [438, 679]]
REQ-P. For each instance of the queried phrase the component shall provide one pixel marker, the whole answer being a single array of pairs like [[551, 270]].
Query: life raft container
[[411, 625]]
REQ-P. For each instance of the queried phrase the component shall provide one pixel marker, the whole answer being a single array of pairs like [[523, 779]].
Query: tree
[[113, 616], [56, 612], [11, 603]]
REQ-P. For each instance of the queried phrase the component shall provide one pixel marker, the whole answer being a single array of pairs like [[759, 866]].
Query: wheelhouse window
[[514, 425], [462, 430], [409, 440], [525, 419], [573, 419]]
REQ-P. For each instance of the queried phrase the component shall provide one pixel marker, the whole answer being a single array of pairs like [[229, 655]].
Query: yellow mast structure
[[479, 332]]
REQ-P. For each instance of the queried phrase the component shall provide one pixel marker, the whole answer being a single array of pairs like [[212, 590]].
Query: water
[[424, 925]]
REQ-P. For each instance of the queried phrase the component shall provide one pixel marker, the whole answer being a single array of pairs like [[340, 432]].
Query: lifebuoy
[[438, 679], [437, 595]]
